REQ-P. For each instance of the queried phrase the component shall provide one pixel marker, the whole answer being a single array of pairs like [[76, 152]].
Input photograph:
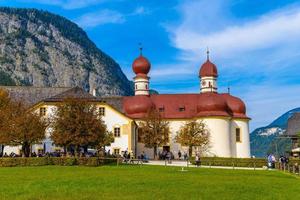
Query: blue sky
[[255, 44]]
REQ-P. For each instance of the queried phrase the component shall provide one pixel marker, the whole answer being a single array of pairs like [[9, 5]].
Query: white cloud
[[268, 31], [258, 56], [100, 18]]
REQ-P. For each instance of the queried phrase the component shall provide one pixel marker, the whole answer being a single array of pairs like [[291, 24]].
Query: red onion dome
[[212, 104], [141, 65], [136, 105], [208, 69], [236, 105]]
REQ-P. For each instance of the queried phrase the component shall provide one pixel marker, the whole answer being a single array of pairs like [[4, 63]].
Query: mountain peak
[[43, 49]]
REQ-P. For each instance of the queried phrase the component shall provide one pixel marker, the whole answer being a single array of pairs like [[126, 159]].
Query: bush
[[63, 161], [232, 162]]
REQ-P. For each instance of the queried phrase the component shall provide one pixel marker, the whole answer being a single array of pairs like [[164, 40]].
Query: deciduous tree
[[19, 125], [78, 124], [154, 131], [193, 134]]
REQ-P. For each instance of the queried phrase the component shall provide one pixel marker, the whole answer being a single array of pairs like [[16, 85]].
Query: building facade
[[224, 115]]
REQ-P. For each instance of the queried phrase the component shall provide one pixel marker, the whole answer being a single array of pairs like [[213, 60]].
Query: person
[[169, 157], [5, 155], [197, 160], [131, 156], [273, 161], [142, 155], [185, 156], [179, 154], [125, 156]]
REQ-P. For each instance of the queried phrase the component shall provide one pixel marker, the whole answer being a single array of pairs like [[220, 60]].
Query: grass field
[[144, 182]]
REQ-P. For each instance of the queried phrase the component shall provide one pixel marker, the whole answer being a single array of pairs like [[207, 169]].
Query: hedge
[[63, 161], [232, 162]]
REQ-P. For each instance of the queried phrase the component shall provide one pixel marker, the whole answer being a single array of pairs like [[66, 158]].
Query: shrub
[[232, 162], [63, 161]]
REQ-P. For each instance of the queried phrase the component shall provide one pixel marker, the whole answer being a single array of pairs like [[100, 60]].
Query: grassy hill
[[144, 182]]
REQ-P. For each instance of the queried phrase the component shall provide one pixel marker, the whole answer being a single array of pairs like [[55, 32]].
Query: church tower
[[208, 75], [141, 67]]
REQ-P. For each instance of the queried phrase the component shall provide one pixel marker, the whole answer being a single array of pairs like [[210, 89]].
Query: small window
[[238, 135], [181, 109], [43, 111], [136, 87], [146, 87], [161, 109], [117, 132], [117, 151], [102, 111]]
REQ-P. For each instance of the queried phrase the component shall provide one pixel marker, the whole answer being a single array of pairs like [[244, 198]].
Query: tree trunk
[[190, 151], [77, 154], [2, 149], [65, 151], [26, 149], [85, 149], [155, 152]]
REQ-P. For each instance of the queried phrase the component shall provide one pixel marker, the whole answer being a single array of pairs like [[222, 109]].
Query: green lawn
[[144, 182]]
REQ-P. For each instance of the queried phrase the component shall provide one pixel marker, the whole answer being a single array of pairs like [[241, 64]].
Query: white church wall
[[243, 147], [220, 144], [219, 129]]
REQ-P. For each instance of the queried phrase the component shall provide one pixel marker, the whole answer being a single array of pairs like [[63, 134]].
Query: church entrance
[[166, 148]]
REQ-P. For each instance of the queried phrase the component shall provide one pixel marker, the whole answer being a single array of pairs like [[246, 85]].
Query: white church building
[[224, 114]]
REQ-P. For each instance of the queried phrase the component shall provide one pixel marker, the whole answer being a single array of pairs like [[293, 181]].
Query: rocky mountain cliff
[[265, 140], [42, 49]]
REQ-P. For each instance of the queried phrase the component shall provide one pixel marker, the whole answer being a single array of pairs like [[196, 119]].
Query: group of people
[[168, 155], [283, 161]]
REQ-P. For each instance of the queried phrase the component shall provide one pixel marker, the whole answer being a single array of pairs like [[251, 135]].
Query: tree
[[27, 128], [193, 134], [4, 109], [77, 124], [154, 131], [19, 125]]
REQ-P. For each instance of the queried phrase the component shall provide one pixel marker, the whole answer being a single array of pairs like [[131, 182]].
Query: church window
[[181, 109], [238, 135], [43, 111], [146, 87], [116, 151], [102, 111], [161, 109], [117, 132]]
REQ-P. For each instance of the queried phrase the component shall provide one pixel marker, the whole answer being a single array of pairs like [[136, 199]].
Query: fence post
[[209, 164], [294, 170], [117, 161], [187, 163], [165, 162]]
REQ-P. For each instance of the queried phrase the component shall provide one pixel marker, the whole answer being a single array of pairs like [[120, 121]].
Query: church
[[224, 114]]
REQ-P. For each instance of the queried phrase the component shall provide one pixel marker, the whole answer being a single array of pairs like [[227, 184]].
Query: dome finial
[[207, 53], [141, 48]]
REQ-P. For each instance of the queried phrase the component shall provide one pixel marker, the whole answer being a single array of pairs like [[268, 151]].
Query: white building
[[224, 114]]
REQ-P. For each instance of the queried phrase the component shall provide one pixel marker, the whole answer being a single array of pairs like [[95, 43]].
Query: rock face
[[42, 49]]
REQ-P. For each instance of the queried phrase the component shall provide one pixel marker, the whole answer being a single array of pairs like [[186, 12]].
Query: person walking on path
[[197, 160]]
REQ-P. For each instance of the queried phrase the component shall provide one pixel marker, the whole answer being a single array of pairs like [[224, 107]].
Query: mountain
[[265, 140], [39, 48]]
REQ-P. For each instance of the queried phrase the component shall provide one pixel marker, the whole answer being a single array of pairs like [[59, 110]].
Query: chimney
[[93, 91]]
